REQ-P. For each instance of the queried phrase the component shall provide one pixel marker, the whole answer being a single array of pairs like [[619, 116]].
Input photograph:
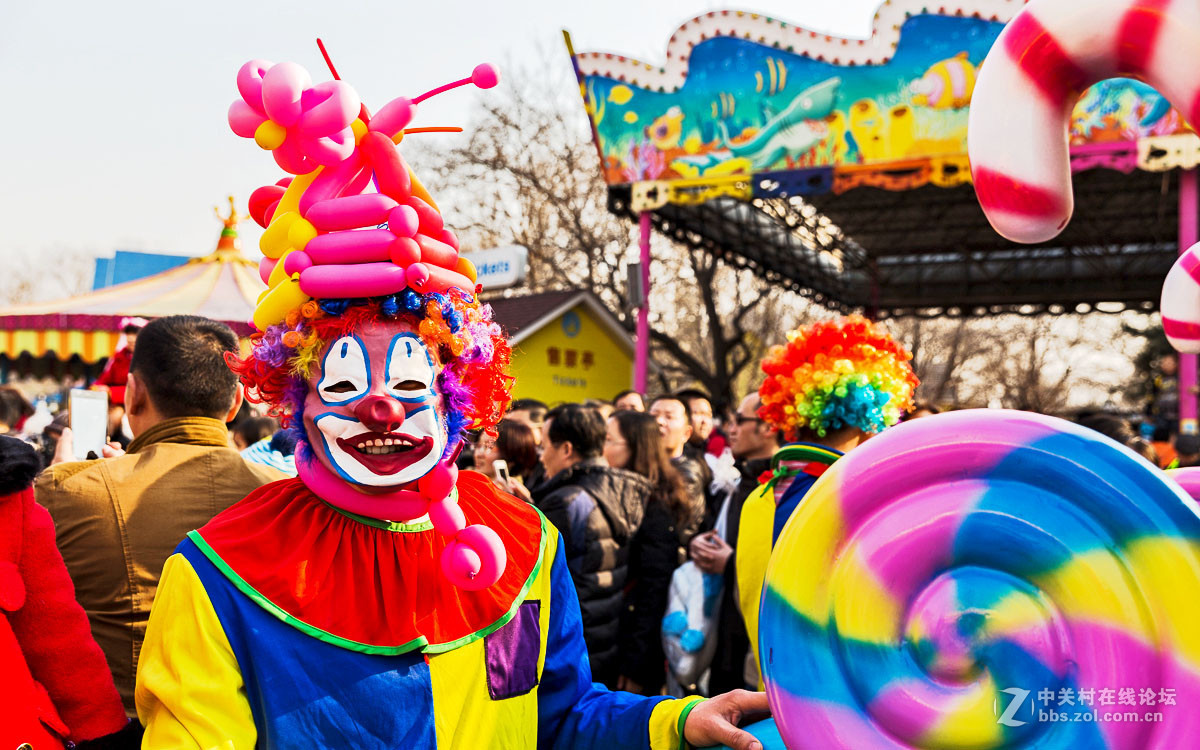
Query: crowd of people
[[640, 488]]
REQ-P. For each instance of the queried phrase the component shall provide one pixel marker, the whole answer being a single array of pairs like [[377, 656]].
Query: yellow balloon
[[277, 276], [360, 129], [291, 197], [300, 232], [269, 135], [274, 240], [278, 303]]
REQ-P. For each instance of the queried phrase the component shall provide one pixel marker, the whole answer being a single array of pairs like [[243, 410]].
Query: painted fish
[[723, 106], [946, 85], [620, 94], [666, 131], [777, 73], [793, 131]]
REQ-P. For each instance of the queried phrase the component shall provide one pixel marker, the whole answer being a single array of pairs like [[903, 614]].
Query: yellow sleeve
[[667, 720], [189, 690], [753, 552]]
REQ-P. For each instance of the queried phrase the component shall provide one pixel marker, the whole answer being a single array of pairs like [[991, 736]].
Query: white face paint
[[359, 371]]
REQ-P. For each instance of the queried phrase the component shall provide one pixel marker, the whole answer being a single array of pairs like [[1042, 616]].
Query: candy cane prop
[[1043, 60]]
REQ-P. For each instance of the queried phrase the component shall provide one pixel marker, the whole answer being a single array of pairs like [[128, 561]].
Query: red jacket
[[115, 375], [54, 682]]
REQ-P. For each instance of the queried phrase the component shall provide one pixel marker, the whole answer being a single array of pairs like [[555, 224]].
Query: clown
[[832, 385], [381, 599]]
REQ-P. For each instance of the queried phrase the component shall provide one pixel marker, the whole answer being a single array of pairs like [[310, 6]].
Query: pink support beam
[[1189, 234], [641, 364]]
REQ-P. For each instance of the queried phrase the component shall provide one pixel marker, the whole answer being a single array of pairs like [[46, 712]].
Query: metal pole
[[1189, 234], [641, 363]]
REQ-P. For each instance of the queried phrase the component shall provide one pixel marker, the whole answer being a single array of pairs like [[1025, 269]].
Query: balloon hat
[[371, 342]]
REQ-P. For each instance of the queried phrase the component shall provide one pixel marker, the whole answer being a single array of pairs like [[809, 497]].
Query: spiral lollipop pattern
[[943, 568]]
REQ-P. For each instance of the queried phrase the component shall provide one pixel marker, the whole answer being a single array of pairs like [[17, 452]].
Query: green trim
[[825, 456], [683, 715], [367, 648], [396, 526]]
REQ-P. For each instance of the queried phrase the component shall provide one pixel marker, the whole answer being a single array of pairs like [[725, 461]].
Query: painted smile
[[386, 453]]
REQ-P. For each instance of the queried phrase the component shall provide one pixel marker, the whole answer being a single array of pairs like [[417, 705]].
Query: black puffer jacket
[[597, 509]]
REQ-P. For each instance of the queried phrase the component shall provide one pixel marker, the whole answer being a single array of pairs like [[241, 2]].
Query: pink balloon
[[482, 565], [265, 267], [331, 182], [295, 262], [393, 116], [351, 212], [292, 159], [244, 119], [403, 221], [446, 516], [439, 481], [461, 565], [327, 150], [365, 246], [352, 280], [327, 108], [250, 81], [282, 88], [485, 76]]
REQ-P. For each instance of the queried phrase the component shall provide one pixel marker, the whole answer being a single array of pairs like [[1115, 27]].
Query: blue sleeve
[[573, 712]]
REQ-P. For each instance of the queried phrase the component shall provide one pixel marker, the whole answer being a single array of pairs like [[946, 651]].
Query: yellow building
[[567, 346]]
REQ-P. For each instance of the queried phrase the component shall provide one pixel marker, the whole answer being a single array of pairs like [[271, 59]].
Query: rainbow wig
[[474, 353], [835, 374]]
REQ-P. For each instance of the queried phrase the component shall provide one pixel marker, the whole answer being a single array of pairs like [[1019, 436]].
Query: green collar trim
[[396, 526], [366, 648], [799, 452]]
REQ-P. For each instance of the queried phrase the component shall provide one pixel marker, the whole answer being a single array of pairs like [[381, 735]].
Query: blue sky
[[114, 114]]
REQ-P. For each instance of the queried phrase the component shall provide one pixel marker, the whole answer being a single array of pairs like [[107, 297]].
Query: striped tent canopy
[[223, 285]]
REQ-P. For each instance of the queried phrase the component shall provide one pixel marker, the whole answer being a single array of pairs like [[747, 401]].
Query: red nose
[[380, 413]]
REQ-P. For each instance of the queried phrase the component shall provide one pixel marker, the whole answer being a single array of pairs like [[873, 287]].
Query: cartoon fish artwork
[[946, 85], [620, 94], [793, 131], [776, 77], [836, 138], [867, 127], [725, 105], [666, 131], [901, 132]]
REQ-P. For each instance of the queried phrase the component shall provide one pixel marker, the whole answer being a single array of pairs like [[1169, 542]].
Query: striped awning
[[223, 286]]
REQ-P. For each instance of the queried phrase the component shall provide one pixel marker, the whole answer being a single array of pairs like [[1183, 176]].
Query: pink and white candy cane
[[1181, 302], [1042, 61], [474, 559]]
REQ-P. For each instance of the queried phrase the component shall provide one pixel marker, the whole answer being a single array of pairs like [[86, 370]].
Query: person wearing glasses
[[753, 443]]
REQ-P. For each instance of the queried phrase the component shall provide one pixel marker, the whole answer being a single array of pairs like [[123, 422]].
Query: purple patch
[[511, 653]]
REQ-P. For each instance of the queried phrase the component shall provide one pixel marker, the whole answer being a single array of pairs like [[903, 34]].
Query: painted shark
[[793, 131]]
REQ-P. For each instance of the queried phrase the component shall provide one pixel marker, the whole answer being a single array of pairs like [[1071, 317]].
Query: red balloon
[[262, 203]]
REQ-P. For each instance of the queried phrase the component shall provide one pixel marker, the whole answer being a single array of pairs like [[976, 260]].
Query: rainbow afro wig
[[471, 348], [836, 374]]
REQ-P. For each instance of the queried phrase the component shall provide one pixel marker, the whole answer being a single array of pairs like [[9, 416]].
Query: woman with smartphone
[[508, 458], [634, 442]]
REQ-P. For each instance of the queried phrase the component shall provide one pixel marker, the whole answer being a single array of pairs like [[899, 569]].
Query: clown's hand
[[715, 721]]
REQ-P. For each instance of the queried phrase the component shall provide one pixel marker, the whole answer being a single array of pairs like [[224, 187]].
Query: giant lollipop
[[953, 577]]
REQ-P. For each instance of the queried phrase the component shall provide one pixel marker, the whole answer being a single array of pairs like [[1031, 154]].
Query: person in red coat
[[55, 686]]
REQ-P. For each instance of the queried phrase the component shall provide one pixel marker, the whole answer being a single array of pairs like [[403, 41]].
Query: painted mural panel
[[744, 102]]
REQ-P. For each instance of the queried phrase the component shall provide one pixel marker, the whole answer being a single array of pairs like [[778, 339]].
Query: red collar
[[365, 587]]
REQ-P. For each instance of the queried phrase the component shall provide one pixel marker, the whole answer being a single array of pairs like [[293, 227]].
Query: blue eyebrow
[[408, 346], [345, 348]]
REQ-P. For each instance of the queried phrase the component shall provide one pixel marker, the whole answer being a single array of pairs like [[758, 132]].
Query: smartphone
[[89, 422], [501, 467]]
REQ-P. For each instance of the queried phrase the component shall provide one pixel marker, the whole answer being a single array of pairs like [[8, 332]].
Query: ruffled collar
[[368, 585]]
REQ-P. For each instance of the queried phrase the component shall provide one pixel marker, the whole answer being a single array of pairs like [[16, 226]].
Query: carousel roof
[[223, 285]]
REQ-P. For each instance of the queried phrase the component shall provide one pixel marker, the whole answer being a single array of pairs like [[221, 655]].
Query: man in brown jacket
[[118, 519]]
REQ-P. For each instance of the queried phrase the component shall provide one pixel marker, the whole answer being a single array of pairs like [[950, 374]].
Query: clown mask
[[372, 414]]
